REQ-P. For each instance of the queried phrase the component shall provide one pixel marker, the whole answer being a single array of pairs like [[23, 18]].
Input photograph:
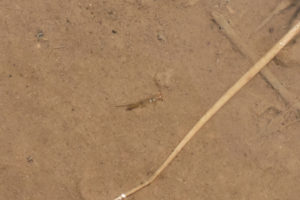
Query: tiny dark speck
[[9, 75], [114, 31], [271, 30]]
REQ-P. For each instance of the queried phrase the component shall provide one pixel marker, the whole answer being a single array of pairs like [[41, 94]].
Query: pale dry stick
[[216, 107], [245, 50]]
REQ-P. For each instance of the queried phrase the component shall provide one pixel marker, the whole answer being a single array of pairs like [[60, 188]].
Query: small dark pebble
[[9, 75], [114, 31], [271, 30], [29, 159], [40, 34], [160, 36]]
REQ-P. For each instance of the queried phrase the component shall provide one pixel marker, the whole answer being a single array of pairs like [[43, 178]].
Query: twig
[[216, 107], [279, 8], [245, 50], [296, 13]]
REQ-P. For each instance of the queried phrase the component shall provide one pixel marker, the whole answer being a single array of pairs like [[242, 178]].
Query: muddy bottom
[[67, 66]]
